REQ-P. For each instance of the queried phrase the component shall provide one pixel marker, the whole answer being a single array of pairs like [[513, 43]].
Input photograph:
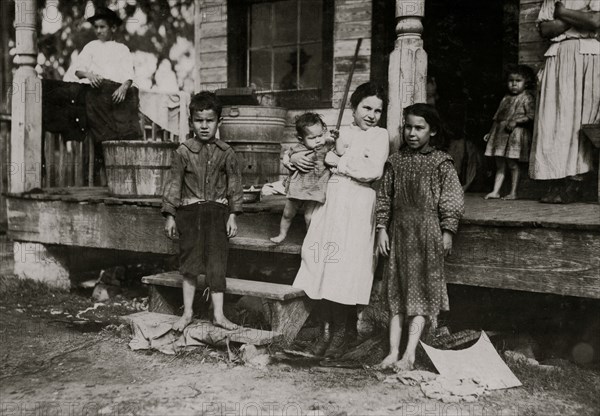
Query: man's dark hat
[[106, 14]]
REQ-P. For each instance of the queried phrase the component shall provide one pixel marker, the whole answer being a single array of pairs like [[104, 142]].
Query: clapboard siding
[[352, 21], [211, 44], [531, 45]]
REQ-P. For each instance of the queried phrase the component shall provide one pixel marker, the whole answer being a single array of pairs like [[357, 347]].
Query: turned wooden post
[[25, 170], [408, 66]]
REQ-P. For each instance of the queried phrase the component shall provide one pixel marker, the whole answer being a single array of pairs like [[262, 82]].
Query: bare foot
[[405, 364], [492, 195], [510, 197], [387, 362], [278, 239], [225, 323], [182, 322]]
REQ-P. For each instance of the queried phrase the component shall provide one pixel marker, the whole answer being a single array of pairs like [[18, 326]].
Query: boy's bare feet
[[278, 239], [224, 323], [405, 364], [182, 322], [387, 362], [492, 195], [510, 197]]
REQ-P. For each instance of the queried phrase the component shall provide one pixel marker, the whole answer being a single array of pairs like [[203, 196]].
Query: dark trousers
[[203, 243]]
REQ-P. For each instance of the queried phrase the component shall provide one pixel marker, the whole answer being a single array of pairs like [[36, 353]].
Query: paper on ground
[[480, 361]]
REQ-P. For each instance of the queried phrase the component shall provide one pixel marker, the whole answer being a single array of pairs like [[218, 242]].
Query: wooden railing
[[70, 163]]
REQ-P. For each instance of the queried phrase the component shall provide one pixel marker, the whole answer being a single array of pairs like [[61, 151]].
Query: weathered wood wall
[[531, 45], [211, 44]]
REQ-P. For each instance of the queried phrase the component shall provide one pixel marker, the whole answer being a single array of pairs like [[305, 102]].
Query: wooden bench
[[286, 307]]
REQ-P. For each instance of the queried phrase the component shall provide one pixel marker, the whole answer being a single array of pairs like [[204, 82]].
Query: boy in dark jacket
[[201, 200]]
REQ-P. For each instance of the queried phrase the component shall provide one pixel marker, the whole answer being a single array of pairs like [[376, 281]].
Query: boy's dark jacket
[[203, 171]]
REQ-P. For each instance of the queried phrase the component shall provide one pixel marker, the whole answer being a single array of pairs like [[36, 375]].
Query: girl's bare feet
[[182, 322], [278, 239], [492, 195], [510, 197], [405, 364], [387, 362], [224, 323]]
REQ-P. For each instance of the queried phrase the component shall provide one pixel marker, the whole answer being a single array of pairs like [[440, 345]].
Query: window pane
[[260, 69], [311, 59], [260, 22], [286, 22], [286, 77], [311, 20]]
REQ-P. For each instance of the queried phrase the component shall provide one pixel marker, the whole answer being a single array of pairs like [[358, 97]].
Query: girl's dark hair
[[368, 89], [205, 100], [432, 117], [306, 120], [526, 72]]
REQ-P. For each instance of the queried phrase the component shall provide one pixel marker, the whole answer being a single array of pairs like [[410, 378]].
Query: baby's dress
[[419, 196], [309, 186], [515, 144]]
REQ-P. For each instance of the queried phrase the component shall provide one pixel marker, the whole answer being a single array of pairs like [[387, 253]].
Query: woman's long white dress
[[569, 97], [337, 253]]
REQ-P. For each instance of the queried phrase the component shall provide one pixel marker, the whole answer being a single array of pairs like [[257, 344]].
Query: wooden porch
[[520, 245]]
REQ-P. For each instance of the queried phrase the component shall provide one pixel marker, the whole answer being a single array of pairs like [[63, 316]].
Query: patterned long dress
[[419, 196]]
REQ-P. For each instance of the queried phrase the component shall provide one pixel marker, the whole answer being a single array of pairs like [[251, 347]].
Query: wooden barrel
[[137, 168], [252, 123], [255, 133], [259, 162]]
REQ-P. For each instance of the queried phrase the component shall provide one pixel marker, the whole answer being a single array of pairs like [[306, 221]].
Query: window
[[285, 47]]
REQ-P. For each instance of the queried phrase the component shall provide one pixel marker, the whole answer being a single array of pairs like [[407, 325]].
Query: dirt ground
[[54, 362]]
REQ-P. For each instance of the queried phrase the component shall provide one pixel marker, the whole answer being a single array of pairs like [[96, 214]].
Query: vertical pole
[[408, 66], [26, 130]]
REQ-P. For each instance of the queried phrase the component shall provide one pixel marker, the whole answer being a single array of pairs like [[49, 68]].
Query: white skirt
[[569, 97], [337, 253]]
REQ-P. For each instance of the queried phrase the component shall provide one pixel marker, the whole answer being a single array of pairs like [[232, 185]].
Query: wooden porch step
[[265, 290], [285, 307]]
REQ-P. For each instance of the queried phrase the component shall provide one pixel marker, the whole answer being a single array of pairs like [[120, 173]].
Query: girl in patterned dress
[[508, 140], [419, 205]]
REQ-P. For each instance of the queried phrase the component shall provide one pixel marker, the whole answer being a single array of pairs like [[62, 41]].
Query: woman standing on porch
[[337, 253], [569, 97]]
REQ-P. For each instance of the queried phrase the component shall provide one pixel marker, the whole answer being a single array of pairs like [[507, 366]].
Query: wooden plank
[[213, 45], [353, 30], [563, 262], [213, 74], [529, 12], [528, 32], [240, 287], [213, 29], [213, 60]]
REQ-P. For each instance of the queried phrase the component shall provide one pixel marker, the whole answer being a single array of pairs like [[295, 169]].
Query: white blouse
[[111, 60], [365, 158]]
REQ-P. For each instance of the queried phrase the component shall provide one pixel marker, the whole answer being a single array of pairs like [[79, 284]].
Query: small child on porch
[[306, 189], [510, 137], [419, 204], [201, 200]]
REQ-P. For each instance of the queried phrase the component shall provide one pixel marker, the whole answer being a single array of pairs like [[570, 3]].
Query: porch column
[[408, 66], [25, 169]]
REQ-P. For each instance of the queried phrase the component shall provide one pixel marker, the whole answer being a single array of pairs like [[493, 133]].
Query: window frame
[[238, 56]]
